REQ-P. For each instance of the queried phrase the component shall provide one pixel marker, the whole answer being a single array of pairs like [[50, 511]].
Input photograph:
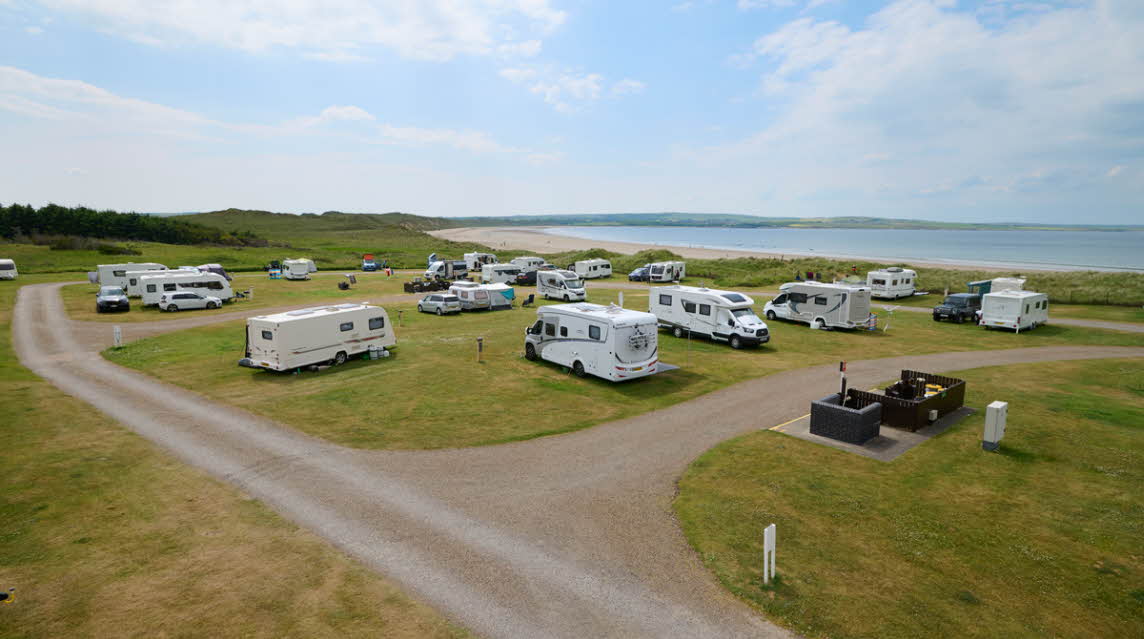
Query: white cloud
[[526, 49], [475, 141], [628, 86], [568, 91], [419, 29], [33, 30], [517, 76], [1115, 171]]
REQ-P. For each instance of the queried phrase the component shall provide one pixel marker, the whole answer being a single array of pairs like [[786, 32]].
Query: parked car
[[186, 300], [959, 307], [525, 278], [111, 298], [440, 304], [639, 275]]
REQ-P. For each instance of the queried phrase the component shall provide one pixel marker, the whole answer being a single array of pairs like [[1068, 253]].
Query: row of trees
[[22, 220]]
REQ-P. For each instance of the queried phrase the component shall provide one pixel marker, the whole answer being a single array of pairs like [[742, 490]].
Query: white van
[[821, 305], [591, 269], [298, 269], [892, 283], [1018, 310], [154, 286], [560, 285], [665, 271], [116, 274], [308, 336], [8, 269], [527, 263], [499, 273], [474, 261], [723, 316], [614, 343]]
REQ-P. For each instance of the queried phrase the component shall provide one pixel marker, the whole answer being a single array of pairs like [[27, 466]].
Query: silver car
[[439, 303], [186, 300]]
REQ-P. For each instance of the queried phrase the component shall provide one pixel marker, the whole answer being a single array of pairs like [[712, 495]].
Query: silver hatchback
[[439, 303]]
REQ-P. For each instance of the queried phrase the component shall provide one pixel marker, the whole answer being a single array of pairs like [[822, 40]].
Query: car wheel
[[578, 368], [419, 309], [771, 315], [530, 352], [98, 308], [211, 305], [172, 308], [736, 342], [566, 298], [439, 311], [340, 358], [958, 320], [678, 332]]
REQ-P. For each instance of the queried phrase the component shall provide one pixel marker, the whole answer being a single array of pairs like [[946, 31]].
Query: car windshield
[[110, 291], [955, 301], [744, 313]]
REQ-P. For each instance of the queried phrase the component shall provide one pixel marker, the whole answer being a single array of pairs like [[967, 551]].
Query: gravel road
[[567, 536]]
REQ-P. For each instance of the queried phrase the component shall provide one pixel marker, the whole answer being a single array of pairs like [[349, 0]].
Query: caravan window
[[563, 331], [133, 281], [150, 288], [688, 307], [820, 300], [214, 286], [594, 332], [118, 273], [781, 299], [170, 287], [798, 298], [376, 323], [550, 329], [346, 326], [877, 282], [704, 309], [665, 300], [267, 335]]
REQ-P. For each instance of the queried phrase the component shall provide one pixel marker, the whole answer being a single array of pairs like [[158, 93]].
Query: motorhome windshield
[[5, 266], [574, 283], [744, 313]]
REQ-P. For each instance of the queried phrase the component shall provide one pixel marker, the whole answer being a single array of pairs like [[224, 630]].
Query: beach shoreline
[[543, 239]]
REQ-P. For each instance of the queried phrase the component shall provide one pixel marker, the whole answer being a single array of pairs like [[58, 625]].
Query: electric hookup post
[[118, 335], [400, 318], [768, 554], [842, 377], [480, 347], [995, 414]]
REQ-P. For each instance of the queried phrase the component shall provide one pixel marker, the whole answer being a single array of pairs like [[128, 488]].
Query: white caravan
[[116, 274], [297, 269], [154, 286], [892, 283], [8, 270], [560, 285], [527, 263], [665, 271], [476, 297], [134, 287], [1007, 284], [1018, 310], [723, 316], [308, 336], [614, 343], [590, 269], [477, 260], [499, 273], [821, 305]]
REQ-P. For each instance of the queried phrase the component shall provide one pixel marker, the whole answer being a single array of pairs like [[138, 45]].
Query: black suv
[[959, 307], [111, 298]]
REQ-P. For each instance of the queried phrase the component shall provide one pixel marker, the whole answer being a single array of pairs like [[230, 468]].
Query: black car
[[111, 298], [959, 307], [525, 278], [641, 274]]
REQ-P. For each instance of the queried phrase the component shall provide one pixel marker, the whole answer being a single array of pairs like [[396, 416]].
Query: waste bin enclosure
[[907, 403], [830, 418]]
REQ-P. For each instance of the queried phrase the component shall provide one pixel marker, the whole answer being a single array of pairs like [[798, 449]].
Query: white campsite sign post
[[768, 554], [117, 334]]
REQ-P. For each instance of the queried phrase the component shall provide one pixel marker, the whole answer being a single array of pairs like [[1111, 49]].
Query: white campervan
[[299, 269], [614, 343], [475, 261], [892, 283], [477, 297], [723, 316], [499, 273], [665, 271], [560, 285], [821, 305], [527, 263], [153, 287], [116, 274], [8, 270], [308, 336], [1018, 310], [590, 269]]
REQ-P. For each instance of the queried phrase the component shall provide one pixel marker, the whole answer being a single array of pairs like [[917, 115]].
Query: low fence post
[[768, 554]]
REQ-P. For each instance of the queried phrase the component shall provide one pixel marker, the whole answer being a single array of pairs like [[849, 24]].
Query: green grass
[[1133, 314], [1041, 539], [103, 535], [423, 396]]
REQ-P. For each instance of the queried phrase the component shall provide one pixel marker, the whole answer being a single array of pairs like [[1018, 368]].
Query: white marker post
[[768, 554], [118, 333], [621, 299]]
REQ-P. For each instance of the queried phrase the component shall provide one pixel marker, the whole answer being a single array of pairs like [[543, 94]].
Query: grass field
[[102, 535], [1041, 539], [1102, 312], [429, 387]]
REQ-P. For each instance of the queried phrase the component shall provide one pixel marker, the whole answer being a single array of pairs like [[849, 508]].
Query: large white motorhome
[[477, 297], [527, 263], [1018, 310], [593, 268], [614, 343], [723, 316], [560, 285], [8, 270], [499, 273], [446, 270], [474, 261], [309, 336], [892, 283], [298, 269], [821, 305], [665, 271], [116, 274], [154, 286]]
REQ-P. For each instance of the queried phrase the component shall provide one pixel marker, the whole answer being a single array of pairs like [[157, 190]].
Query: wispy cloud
[[569, 91]]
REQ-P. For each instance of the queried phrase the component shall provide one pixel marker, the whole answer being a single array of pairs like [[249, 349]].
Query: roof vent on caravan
[[298, 313]]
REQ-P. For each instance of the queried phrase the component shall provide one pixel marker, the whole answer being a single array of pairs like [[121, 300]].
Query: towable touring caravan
[[560, 285], [723, 316], [8, 270], [1018, 310], [474, 261], [527, 263], [308, 336], [614, 343], [154, 286], [477, 297], [665, 271], [821, 305], [299, 269], [590, 269], [892, 283], [499, 273], [116, 274]]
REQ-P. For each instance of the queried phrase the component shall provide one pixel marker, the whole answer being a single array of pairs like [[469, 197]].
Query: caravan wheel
[[678, 332], [566, 298], [821, 324], [578, 368], [340, 358]]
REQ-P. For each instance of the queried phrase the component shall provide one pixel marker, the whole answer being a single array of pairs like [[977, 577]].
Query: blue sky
[[988, 110]]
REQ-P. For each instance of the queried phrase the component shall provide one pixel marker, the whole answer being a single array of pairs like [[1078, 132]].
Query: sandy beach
[[536, 238]]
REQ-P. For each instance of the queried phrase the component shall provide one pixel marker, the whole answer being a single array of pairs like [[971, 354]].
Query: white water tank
[[995, 415]]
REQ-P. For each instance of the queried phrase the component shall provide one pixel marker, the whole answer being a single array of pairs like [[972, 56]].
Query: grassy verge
[[1042, 539], [102, 535], [418, 399]]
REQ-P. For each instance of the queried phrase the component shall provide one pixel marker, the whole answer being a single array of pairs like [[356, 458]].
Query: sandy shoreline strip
[[540, 240]]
